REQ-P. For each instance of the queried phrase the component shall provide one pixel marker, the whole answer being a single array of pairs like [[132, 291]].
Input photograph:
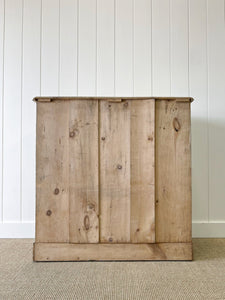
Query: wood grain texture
[[173, 172], [79, 252], [83, 171], [114, 172], [142, 148], [52, 173], [49, 98]]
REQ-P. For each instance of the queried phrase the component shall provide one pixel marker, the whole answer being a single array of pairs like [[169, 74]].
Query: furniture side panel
[[173, 172]]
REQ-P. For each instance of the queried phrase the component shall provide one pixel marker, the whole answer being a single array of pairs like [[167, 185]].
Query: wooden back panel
[[96, 171]]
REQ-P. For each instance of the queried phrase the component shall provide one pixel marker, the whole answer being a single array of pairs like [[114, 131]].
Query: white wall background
[[111, 47]]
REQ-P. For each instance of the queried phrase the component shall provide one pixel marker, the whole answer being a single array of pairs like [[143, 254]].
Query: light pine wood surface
[[173, 172], [52, 173], [142, 149], [113, 179], [77, 252], [83, 172]]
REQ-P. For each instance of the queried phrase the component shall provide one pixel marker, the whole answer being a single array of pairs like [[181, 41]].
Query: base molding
[[89, 252]]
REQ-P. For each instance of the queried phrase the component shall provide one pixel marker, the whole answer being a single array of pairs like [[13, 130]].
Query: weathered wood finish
[[79, 252], [113, 179], [52, 173], [114, 172], [142, 148], [83, 171], [173, 172]]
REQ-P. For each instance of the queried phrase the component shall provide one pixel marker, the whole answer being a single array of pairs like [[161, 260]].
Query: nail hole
[[119, 167], [49, 212]]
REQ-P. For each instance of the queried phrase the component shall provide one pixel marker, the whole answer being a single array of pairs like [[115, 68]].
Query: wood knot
[[125, 104], [91, 206], [48, 212], [86, 222], [56, 191], [176, 124], [138, 230], [150, 138], [103, 138], [72, 134]]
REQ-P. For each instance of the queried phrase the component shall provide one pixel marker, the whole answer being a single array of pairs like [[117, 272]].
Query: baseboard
[[17, 230], [208, 230], [86, 252], [27, 230]]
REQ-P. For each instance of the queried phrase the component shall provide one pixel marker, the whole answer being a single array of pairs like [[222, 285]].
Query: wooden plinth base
[[104, 252]]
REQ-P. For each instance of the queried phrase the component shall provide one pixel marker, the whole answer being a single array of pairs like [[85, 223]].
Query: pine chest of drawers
[[113, 179]]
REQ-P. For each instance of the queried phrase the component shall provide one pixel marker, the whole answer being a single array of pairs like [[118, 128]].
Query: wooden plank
[[30, 86], [161, 47], [68, 47], [86, 47], [52, 182], [83, 172], [12, 111], [79, 252], [179, 47], [105, 47], [114, 172], [177, 99], [216, 108], [173, 172], [142, 149], [123, 47], [199, 113], [142, 51], [50, 47], [2, 28]]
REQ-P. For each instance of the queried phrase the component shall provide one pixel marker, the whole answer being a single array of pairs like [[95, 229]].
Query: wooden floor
[[202, 278]]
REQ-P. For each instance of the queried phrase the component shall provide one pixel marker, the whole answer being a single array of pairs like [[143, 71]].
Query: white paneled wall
[[105, 48]]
